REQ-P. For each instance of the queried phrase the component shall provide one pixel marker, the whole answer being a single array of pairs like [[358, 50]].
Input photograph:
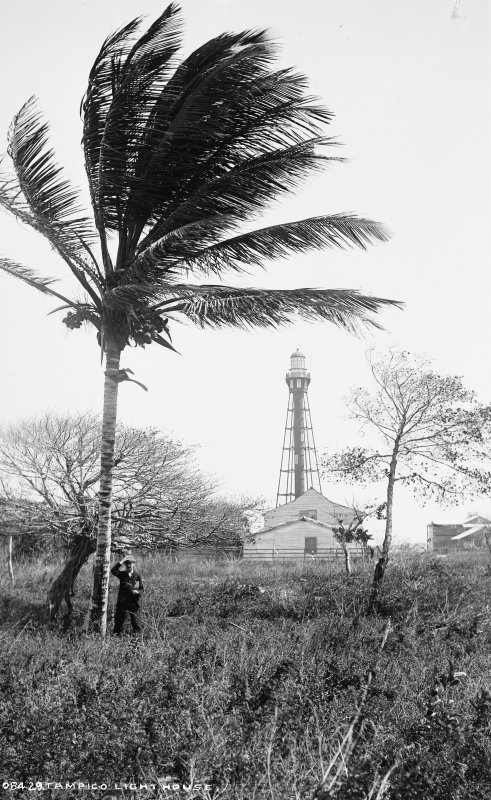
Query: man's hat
[[130, 559]]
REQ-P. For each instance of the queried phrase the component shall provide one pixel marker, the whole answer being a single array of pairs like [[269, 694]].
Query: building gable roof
[[314, 494], [308, 520], [477, 519], [470, 522], [469, 532]]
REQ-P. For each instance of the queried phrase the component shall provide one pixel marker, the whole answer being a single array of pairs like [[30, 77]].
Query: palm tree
[[179, 158]]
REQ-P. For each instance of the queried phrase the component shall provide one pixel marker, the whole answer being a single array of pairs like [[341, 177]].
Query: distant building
[[469, 535], [301, 529]]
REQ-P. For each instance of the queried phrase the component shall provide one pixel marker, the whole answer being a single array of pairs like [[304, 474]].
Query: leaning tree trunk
[[381, 565], [387, 544], [347, 558], [62, 587], [100, 590]]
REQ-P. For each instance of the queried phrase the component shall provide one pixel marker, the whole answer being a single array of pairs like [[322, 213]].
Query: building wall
[[440, 538], [293, 536], [288, 541]]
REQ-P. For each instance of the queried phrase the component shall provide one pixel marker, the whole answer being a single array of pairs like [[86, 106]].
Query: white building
[[301, 529]]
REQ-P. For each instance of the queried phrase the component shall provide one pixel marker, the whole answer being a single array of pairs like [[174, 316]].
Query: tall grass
[[261, 680]]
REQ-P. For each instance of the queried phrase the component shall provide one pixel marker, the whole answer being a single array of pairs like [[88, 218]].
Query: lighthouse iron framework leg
[[299, 468]]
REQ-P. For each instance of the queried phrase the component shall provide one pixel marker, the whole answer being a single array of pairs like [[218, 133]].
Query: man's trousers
[[120, 616]]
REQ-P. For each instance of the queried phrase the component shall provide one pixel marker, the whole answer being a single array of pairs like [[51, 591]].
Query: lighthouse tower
[[299, 469]]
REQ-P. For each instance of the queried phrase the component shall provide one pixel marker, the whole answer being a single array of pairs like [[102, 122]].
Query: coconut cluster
[[145, 330], [144, 327], [75, 319]]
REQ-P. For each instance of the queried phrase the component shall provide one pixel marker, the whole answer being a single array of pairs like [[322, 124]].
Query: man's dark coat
[[127, 582]]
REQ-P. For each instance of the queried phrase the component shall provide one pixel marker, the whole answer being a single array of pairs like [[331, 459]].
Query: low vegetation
[[261, 681]]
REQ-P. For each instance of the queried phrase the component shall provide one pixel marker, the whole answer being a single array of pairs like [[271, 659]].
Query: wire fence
[[300, 554], [328, 554]]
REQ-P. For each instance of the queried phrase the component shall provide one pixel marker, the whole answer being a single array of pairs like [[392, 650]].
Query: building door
[[310, 546]]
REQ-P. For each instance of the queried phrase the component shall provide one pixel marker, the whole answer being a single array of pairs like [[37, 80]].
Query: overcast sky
[[408, 83]]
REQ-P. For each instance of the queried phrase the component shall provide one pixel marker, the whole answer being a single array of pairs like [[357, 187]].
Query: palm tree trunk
[[100, 591]]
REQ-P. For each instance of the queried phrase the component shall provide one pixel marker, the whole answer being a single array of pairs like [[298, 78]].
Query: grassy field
[[260, 681]]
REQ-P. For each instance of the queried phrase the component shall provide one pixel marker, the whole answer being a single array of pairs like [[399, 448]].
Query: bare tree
[[434, 437], [160, 497]]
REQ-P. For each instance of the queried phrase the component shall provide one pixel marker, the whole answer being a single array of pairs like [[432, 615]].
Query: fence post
[[9, 560]]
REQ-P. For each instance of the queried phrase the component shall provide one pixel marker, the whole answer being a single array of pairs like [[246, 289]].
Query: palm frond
[[33, 279], [218, 306], [193, 96], [52, 202], [143, 75], [247, 188], [125, 298], [124, 84], [220, 109], [158, 146], [187, 247], [156, 47], [104, 78], [168, 252], [227, 124], [13, 201]]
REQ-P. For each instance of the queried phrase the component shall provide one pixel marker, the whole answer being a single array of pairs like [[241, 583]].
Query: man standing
[[130, 591]]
